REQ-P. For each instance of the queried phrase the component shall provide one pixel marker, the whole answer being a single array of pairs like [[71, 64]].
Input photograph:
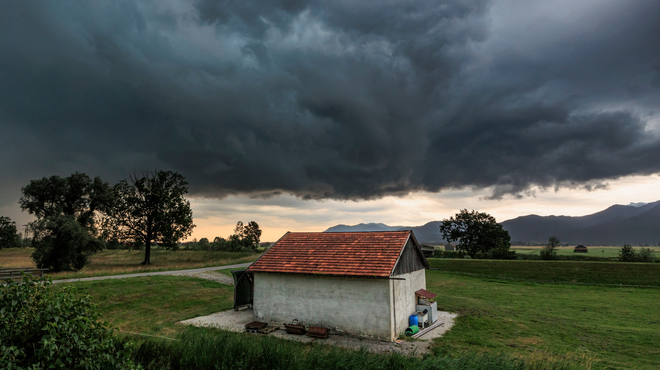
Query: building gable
[[411, 259]]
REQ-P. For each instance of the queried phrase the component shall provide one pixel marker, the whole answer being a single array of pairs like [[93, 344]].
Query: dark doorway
[[243, 288]]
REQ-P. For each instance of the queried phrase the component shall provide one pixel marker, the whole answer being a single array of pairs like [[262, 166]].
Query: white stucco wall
[[354, 305], [403, 292]]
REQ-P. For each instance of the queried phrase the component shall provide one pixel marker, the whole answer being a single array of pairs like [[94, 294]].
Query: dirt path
[[203, 273], [209, 275]]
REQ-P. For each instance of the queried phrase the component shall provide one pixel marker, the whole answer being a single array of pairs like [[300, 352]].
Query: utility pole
[[25, 235]]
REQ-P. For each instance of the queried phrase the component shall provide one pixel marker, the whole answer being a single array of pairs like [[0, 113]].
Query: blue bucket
[[413, 320]]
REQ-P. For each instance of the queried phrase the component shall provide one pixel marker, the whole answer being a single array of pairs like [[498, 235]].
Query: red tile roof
[[372, 254]]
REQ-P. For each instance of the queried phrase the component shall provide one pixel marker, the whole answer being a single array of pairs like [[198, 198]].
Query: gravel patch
[[235, 321], [209, 275]]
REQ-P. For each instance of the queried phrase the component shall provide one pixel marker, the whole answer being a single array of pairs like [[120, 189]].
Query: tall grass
[[199, 348]]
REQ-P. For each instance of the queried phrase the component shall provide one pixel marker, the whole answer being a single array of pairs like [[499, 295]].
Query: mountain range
[[637, 224], [428, 233]]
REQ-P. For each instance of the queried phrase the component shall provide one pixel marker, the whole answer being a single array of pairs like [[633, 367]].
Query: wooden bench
[[16, 273]]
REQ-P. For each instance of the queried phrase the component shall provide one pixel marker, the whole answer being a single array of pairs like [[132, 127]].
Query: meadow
[[570, 272], [120, 261], [593, 326], [152, 305], [594, 251], [506, 320]]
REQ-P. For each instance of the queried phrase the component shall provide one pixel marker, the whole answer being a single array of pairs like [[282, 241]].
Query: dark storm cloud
[[344, 99]]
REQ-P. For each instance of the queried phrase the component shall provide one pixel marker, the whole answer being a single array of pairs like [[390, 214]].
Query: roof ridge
[[364, 253]]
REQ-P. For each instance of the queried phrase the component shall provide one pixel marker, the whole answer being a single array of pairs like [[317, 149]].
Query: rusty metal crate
[[255, 326], [318, 332], [296, 327]]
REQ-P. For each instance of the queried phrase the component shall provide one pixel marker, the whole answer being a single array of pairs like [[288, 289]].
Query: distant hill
[[428, 233], [637, 224], [634, 224]]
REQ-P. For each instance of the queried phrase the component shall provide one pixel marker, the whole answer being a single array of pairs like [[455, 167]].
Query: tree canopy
[[77, 196], [151, 208], [249, 235], [477, 234], [8, 233], [62, 244], [549, 251]]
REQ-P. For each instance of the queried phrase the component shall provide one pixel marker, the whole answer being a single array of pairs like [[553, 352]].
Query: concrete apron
[[235, 321]]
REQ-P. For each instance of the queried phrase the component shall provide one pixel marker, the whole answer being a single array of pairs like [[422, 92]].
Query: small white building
[[362, 283]]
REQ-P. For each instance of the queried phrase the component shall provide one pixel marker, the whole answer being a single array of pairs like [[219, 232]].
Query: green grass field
[[580, 272], [597, 327], [152, 305], [594, 327], [596, 251]]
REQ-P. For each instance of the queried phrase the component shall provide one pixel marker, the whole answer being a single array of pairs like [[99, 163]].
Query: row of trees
[[629, 254], [480, 236], [77, 215], [245, 237]]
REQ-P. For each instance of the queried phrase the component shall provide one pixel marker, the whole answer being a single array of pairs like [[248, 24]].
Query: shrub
[[549, 251], [8, 236], [646, 255], [627, 254], [501, 254], [61, 244], [46, 328]]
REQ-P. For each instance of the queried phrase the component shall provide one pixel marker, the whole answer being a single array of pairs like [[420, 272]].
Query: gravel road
[[190, 272]]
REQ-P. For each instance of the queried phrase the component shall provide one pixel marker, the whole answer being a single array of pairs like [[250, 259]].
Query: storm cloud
[[339, 100]]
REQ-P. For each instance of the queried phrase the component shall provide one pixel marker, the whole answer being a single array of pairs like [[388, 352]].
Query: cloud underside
[[340, 100]]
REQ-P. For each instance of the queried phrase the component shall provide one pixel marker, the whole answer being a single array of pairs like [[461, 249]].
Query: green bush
[[549, 251], [61, 244], [628, 254], [8, 236], [46, 328], [646, 255]]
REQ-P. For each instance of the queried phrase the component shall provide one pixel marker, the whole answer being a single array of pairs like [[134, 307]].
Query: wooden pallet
[[267, 329], [422, 332]]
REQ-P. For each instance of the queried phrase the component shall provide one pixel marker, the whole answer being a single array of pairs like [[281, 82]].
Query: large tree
[[151, 209], [249, 235], [76, 196], [7, 233], [477, 233], [62, 244]]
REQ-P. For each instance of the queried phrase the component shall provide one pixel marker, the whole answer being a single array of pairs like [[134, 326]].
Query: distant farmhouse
[[428, 250], [580, 249], [450, 247], [362, 283]]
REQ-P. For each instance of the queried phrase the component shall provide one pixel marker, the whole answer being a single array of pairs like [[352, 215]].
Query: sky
[[304, 114]]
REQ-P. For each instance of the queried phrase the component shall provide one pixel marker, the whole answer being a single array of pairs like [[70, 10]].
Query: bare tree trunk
[[147, 253], [147, 248]]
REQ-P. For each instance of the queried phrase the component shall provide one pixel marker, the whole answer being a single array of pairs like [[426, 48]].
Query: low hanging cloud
[[339, 100]]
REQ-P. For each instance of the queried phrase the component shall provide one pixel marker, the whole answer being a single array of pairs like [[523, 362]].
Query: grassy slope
[[618, 327], [152, 305], [557, 271], [116, 262]]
